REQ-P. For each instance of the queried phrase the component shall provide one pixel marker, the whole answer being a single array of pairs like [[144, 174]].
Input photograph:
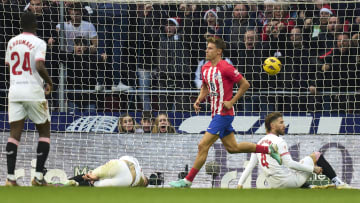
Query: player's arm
[[289, 162], [204, 91], [249, 167], [40, 67], [106, 183], [243, 87]]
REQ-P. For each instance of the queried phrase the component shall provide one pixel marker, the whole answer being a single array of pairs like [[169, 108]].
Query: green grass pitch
[[168, 195]]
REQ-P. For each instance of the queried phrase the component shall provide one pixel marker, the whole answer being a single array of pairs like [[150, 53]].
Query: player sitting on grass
[[123, 172], [291, 174]]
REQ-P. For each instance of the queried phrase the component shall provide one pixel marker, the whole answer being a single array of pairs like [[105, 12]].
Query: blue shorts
[[221, 125]]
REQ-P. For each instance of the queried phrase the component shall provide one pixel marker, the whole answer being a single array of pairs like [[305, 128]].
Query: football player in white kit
[[291, 174], [123, 172], [25, 56]]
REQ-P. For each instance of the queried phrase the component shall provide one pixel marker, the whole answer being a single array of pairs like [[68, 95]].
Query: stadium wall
[[73, 153]]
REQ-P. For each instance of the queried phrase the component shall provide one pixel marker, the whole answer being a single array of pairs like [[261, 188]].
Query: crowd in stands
[[121, 47]]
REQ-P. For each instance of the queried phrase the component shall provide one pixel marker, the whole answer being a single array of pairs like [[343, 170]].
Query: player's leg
[[203, 148], [42, 151], [17, 116], [118, 173], [232, 146], [300, 177], [11, 150], [328, 170], [38, 112]]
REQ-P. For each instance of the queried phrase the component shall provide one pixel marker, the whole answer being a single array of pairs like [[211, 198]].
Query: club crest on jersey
[[236, 72], [216, 76]]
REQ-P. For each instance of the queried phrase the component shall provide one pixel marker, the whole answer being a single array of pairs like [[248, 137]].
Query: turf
[[168, 195]]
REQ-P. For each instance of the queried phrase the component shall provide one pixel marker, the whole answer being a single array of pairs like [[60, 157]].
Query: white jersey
[[276, 174], [269, 165], [138, 170], [85, 29], [22, 53], [116, 172]]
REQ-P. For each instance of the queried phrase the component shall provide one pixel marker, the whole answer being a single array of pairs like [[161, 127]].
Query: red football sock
[[191, 175], [262, 149]]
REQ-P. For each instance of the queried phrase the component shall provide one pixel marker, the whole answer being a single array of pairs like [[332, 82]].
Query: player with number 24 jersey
[[22, 53]]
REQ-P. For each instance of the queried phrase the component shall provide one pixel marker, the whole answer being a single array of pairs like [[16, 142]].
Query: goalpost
[[142, 58]]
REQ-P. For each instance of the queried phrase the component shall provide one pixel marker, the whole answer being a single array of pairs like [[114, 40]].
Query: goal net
[[126, 75]]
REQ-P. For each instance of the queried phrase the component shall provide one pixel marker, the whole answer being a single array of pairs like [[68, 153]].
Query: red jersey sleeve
[[232, 73]]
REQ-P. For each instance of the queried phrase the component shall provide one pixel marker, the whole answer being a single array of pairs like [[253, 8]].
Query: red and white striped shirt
[[220, 81]]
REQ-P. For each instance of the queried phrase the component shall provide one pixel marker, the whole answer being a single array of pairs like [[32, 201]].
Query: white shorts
[[122, 177], [295, 179], [37, 111]]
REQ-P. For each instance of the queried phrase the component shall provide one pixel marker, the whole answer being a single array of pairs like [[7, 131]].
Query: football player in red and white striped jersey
[[219, 78]]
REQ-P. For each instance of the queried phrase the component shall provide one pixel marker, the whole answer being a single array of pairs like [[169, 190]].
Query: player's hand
[[239, 187], [90, 176], [228, 104], [197, 106], [48, 89], [317, 170]]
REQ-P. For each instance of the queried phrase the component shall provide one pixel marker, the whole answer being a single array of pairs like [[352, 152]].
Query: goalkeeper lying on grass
[[123, 172]]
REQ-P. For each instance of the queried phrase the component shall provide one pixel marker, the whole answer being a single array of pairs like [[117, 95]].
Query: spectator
[[249, 59], [127, 124], [143, 47], [276, 36], [84, 72], [299, 70], [265, 15], [191, 21], [280, 22], [77, 27], [162, 124], [239, 24], [339, 74], [313, 27], [174, 63], [112, 28], [326, 40], [214, 26], [146, 124], [355, 29]]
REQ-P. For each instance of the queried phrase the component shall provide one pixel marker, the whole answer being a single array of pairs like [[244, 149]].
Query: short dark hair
[[80, 41], [270, 118], [219, 43], [77, 6], [28, 22]]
